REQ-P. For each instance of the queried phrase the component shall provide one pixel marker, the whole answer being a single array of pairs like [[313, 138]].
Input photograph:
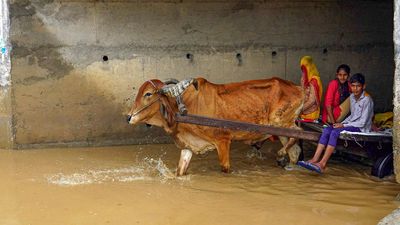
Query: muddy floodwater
[[133, 185]]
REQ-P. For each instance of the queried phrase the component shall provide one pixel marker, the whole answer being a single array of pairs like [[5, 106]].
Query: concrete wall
[[6, 126], [64, 93], [396, 101], [6, 132]]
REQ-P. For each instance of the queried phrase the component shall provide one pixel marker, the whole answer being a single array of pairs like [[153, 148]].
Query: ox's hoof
[[225, 169], [258, 145], [282, 162]]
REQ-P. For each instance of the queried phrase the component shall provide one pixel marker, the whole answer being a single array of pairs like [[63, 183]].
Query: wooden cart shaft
[[250, 127]]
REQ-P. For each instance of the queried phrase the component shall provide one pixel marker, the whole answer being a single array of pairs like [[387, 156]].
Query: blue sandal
[[310, 166]]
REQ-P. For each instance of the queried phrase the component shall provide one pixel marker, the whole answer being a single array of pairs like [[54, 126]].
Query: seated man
[[360, 120]]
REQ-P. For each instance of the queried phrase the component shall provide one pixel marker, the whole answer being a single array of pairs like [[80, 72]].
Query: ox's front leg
[[223, 148], [184, 161]]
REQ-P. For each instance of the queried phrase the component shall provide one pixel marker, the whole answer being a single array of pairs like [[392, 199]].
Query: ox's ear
[[166, 111], [196, 84], [163, 111]]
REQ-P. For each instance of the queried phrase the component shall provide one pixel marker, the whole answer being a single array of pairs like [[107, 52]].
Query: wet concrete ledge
[[96, 143], [391, 219], [6, 140]]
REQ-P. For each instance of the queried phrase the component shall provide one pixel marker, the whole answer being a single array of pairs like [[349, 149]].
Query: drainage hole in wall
[[325, 51], [274, 53], [189, 56], [105, 58]]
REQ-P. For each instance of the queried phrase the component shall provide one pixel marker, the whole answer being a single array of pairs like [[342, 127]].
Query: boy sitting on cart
[[360, 120]]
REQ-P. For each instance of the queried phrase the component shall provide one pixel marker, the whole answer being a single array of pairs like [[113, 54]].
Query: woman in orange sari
[[311, 83]]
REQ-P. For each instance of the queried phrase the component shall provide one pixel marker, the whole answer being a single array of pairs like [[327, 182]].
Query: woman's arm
[[309, 105], [312, 98], [329, 110], [329, 99]]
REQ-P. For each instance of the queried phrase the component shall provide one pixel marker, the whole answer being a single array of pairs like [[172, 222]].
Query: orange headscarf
[[310, 77]]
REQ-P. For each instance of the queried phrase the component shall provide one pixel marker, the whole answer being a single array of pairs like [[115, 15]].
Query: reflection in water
[[136, 185]]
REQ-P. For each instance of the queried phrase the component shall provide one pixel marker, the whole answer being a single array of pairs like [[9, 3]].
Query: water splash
[[147, 170]]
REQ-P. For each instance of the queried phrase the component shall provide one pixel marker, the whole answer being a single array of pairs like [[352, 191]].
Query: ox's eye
[[148, 94]]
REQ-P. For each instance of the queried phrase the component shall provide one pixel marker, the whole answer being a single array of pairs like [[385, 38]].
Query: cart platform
[[376, 146]]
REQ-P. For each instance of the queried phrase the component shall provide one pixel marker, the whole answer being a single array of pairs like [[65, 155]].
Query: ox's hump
[[262, 84]]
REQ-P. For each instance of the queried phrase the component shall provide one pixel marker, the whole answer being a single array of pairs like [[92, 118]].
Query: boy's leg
[[323, 141], [328, 152], [317, 154], [332, 144]]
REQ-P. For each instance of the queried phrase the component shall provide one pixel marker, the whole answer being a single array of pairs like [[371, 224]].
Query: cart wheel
[[283, 161], [383, 166]]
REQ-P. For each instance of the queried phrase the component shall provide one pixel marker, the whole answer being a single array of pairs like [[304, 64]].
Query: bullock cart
[[374, 149]]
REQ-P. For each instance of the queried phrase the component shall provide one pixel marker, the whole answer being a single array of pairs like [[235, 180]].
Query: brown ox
[[272, 101]]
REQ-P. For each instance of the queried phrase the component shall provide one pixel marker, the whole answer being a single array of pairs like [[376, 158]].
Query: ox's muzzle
[[128, 118]]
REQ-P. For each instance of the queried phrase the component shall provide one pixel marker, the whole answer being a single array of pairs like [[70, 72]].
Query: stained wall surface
[[396, 89], [65, 92], [6, 116]]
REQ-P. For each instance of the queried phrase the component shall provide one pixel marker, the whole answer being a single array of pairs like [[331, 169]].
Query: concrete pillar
[[396, 87], [6, 134]]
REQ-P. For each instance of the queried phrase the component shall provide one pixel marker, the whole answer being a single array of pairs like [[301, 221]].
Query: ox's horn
[[177, 89], [171, 81]]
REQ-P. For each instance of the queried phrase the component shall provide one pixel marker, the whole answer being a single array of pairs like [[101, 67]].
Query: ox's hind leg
[[290, 149], [184, 162], [293, 149], [294, 152], [223, 148]]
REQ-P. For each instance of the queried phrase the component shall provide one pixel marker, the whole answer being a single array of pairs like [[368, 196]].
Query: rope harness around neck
[[146, 106]]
